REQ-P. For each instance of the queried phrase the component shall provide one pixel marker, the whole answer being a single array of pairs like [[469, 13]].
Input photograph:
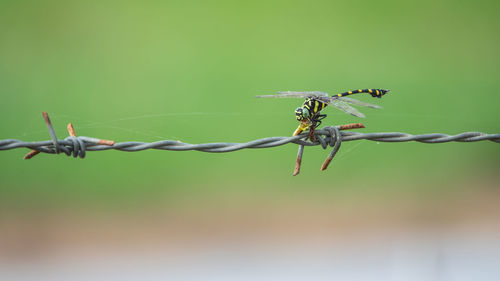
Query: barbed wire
[[328, 136]]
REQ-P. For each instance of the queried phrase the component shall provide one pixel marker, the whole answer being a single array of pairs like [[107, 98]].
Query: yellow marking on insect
[[339, 95], [316, 104], [370, 91], [349, 93], [359, 90], [302, 127], [378, 93]]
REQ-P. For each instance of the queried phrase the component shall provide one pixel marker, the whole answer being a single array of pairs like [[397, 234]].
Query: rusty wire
[[328, 136]]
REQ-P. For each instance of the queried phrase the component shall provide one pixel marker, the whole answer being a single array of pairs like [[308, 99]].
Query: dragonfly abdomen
[[376, 93]]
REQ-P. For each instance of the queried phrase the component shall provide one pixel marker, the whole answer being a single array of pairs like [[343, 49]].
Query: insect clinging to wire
[[309, 113]]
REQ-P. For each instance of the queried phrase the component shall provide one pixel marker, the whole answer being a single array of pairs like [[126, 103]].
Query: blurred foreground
[[384, 235]]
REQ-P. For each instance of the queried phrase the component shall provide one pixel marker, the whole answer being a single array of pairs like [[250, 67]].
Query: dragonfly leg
[[320, 117], [311, 133], [315, 123]]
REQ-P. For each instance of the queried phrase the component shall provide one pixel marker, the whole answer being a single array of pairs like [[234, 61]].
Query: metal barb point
[[298, 162], [52, 132]]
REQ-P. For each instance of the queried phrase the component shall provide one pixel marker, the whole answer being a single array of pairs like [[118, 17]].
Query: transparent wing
[[338, 103], [360, 103], [291, 94]]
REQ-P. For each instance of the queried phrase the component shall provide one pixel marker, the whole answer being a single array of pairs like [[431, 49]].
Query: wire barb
[[298, 162], [330, 136], [77, 145], [335, 141]]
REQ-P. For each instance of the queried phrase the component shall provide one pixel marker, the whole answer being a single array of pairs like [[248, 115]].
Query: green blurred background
[[189, 70]]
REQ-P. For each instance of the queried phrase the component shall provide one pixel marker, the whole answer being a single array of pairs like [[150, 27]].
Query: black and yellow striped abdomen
[[376, 93]]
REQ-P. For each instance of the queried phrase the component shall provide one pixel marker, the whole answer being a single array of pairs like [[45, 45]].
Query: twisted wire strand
[[328, 136]]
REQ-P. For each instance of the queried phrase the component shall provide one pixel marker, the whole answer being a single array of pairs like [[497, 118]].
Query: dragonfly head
[[301, 113]]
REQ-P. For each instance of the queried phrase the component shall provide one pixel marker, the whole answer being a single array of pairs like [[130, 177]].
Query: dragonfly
[[309, 114]]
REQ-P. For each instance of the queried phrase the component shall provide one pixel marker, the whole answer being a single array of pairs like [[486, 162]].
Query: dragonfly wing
[[292, 94], [325, 99], [346, 108], [318, 94], [360, 103]]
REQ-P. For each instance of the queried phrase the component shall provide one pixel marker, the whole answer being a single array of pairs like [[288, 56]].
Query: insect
[[309, 114]]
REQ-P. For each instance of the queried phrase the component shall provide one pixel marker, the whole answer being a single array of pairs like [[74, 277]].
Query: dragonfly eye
[[301, 113], [305, 113]]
